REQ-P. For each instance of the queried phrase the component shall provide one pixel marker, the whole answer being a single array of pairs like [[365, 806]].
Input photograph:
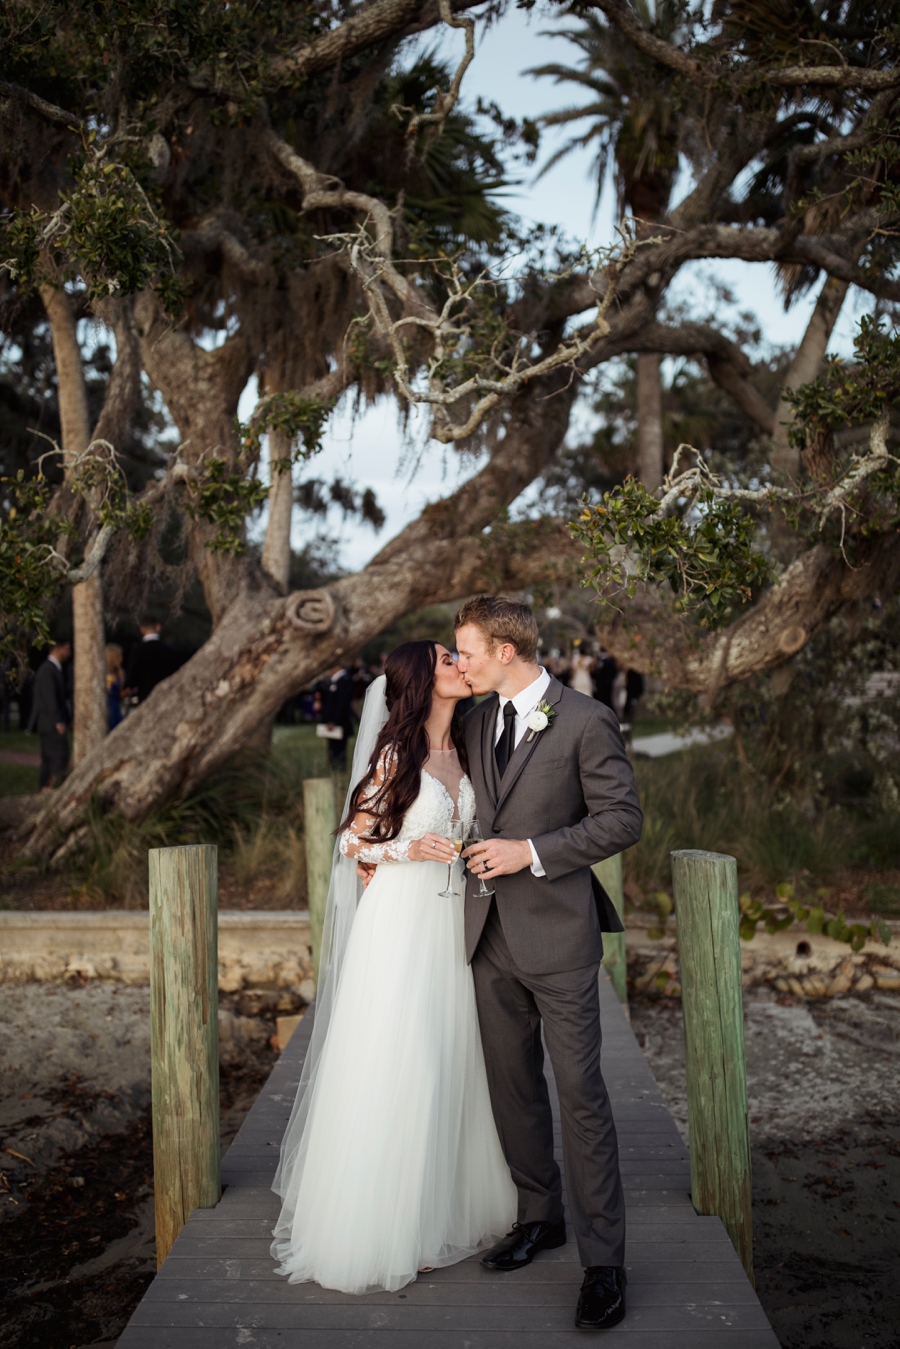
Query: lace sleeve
[[356, 840]]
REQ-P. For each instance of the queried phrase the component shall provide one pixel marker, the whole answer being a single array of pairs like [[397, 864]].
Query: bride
[[391, 1161]]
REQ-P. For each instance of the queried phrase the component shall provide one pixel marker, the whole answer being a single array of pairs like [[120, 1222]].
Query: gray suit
[[535, 951]]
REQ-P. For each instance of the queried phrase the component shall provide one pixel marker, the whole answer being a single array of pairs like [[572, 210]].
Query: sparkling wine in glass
[[474, 835], [455, 839]]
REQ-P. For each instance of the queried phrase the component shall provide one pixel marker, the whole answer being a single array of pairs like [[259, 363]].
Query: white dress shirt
[[524, 703]]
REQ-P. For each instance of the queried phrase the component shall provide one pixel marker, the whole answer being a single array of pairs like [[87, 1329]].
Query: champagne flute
[[474, 835], [455, 839]]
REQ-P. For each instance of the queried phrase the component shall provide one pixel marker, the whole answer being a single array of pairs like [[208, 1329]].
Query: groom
[[555, 793]]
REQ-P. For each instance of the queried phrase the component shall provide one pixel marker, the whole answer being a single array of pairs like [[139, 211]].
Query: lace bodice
[[432, 812]]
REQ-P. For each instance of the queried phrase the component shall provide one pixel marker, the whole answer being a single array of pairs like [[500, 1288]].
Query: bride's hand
[[431, 848]]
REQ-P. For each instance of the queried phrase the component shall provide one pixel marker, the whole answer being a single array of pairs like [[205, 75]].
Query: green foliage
[[224, 499], [701, 798], [708, 558], [790, 910], [883, 898], [849, 396], [105, 230], [297, 418], [28, 584]]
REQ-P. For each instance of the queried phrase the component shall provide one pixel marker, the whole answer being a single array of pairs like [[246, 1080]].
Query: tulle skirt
[[399, 1165]]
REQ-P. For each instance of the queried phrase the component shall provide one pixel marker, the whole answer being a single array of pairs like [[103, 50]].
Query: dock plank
[[686, 1290]]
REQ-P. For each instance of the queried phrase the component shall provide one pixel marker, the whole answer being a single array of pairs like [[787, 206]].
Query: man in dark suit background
[[334, 706], [50, 716], [151, 661]]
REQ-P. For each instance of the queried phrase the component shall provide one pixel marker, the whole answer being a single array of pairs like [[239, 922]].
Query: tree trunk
[[649, 419], [276, 553], [804, 367], [266, 648], [201, 390], [90, 722]]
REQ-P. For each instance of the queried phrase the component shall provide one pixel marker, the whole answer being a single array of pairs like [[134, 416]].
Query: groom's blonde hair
[[502, 620]]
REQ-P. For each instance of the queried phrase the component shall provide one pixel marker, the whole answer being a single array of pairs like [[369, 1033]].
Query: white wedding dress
[[398, 1165]]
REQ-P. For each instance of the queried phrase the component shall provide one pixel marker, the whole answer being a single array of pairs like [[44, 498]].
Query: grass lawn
[[18, 779]]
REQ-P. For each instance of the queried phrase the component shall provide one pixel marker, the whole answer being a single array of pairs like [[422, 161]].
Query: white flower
[[538, 720]]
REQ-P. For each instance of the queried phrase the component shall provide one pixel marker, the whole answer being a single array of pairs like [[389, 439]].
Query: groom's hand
[[365, 871], [498, 857]]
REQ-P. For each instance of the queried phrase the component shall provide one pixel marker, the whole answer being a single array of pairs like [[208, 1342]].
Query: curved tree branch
[[707, 72], [370, 26], [810, 592]]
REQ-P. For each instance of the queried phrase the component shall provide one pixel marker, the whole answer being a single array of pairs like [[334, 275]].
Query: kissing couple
[[422, 1129]]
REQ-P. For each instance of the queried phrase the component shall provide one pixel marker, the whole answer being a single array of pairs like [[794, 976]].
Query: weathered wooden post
[[609, 874], [319, 823], [184, 1035], [709, 956]]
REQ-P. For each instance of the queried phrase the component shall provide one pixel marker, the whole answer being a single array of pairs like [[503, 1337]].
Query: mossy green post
[[609, 874], [709, 956], [184, 1035], [319, 823]]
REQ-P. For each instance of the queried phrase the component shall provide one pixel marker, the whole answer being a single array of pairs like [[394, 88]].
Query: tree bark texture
[[804, 367], [276, 553], [89, 720], [649, 420], [201, 389]]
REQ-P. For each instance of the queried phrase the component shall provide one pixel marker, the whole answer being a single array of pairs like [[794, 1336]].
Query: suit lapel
[[526, 747], [488, 765]]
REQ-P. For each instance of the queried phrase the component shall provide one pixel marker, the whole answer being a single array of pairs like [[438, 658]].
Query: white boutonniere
[[539, 720]]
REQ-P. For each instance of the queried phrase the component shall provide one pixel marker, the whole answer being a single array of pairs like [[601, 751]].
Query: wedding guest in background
[[634, 691], [580, 671], [50, 716], [334, 706], [362, 677], [605, 669], [115, 679], [151, 661]]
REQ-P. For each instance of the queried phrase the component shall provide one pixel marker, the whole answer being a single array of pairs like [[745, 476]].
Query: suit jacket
[[571, 790], [148, 665], [337, 700], [49, 706]]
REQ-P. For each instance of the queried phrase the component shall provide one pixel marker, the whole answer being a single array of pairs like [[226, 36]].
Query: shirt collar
[[150, 637], [54, 661], [527, 700]]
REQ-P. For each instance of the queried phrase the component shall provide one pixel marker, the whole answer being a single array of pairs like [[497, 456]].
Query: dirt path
[[824, 1096]]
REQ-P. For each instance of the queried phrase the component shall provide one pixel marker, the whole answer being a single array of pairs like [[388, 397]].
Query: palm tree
[[631, 119]]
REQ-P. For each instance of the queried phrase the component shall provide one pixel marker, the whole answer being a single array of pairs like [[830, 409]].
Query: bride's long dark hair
[[409, 674]]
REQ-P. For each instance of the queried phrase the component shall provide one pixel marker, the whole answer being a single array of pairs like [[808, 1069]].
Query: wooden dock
[[686, 1286]]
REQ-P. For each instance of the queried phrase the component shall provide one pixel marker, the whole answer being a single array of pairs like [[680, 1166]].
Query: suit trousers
[[54, 758], [512, 1005]]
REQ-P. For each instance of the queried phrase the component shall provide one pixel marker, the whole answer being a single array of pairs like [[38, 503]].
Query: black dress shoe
[[601, 1302], [519, 1247]]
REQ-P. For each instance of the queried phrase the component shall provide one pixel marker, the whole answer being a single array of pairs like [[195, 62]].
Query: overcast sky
[[371, 450]]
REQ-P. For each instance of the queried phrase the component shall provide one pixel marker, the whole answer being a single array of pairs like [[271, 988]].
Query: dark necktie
[[506, 744]]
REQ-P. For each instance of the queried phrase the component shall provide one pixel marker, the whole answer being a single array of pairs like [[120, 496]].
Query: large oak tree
[[281, 190]]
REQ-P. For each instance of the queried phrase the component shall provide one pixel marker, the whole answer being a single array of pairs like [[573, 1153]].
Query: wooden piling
[[609, 874], [184, 1035], [709, 956], [319, 823]]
